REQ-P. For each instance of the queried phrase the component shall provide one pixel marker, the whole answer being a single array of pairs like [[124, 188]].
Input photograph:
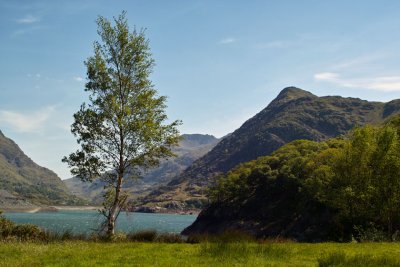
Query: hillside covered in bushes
[[343, 188]]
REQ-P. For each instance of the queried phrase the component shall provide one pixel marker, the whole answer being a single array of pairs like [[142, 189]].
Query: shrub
[[370, 233], [169, 238], [6, 227], [27, 232], [143, 236]]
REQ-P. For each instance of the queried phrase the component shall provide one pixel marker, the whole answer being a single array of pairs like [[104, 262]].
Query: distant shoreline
[[73, 208], [37, 209]]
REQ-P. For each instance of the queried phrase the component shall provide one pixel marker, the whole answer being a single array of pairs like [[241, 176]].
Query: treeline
[[343, 188]]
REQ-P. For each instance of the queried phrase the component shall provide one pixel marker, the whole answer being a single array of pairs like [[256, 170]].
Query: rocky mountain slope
[[24, 183], [294, 114], [191, 147]]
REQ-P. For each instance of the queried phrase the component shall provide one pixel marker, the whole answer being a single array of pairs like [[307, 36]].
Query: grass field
[[80, 253]]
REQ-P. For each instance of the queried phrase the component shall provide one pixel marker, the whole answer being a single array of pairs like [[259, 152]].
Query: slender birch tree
[[123, 128]]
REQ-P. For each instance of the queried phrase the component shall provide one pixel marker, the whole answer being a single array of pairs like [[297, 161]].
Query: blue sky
[[219, 62]]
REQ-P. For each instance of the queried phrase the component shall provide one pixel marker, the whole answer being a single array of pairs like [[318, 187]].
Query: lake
[[89, 221]]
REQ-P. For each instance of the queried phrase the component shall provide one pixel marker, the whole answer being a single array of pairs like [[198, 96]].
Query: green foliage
[[22, 180], [153, 236], [19, 232], [370, 233], [170, 238], [27, 232], [6, 227], [351, 184], [123, 129], [143, 236]]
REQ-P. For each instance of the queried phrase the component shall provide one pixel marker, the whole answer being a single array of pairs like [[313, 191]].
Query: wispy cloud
[[36, 75], [272, 44], [28, 19], [379, 83], [228, 40], [26, 122], [28, 30], [78, 79], [361, 61]]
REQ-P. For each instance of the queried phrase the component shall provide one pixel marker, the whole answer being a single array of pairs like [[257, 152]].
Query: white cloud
[[78, 79], [380, 83], [326, 76], [228, 40], [28, 19], [26, 122]]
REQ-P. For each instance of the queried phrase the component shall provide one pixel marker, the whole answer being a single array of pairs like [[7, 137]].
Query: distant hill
[[24, 183], [191, 147], [294, 114]]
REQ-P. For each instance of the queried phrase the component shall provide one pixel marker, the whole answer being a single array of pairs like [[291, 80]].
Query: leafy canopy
[[123, 129]]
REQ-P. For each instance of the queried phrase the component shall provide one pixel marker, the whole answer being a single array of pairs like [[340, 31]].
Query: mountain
[[294, 114], [190, 148], [334, 190], [24, 183]]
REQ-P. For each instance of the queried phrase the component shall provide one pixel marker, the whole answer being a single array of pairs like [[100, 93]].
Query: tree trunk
[[114, 209], [110, 225]]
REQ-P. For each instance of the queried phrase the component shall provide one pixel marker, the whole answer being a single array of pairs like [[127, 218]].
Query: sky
[[219, 62]]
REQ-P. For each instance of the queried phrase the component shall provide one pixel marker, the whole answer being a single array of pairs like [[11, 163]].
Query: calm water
[[88, 221]]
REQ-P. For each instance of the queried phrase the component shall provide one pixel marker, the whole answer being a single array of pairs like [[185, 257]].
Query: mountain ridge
[[294, 114], [28, 182]]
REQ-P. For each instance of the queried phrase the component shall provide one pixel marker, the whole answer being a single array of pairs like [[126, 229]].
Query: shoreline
[[37, 209]]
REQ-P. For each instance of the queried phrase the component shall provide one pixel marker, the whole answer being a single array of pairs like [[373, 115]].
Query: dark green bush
[[370, 233], [27, 232], [169, 238], [142, 236], [6, 227]]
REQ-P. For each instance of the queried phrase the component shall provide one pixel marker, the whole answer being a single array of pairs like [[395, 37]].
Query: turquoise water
[[89, 221]]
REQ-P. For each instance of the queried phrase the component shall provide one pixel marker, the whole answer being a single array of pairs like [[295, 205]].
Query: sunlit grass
[[83, 253]]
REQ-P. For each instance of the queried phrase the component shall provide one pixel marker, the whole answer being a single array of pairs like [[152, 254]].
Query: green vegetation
[[293, 115], [123, 129], [23, 183], [203, 254], [339, 189]]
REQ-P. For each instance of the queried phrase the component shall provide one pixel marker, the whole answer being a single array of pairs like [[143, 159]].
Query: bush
[[27, 232], [197, 238], [6, 227], [143, 236], [169, 238], [153, 236], [370, 233]]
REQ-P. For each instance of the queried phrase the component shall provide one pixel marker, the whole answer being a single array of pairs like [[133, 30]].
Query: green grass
[[83, 253]]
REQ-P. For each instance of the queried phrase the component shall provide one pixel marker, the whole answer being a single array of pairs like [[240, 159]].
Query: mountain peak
[[293, 93]]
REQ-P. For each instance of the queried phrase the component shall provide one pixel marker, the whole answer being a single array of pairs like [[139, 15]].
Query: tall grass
[[358, 260]]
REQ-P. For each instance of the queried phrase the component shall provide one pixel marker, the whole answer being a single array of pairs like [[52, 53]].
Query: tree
[[123, 129]]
